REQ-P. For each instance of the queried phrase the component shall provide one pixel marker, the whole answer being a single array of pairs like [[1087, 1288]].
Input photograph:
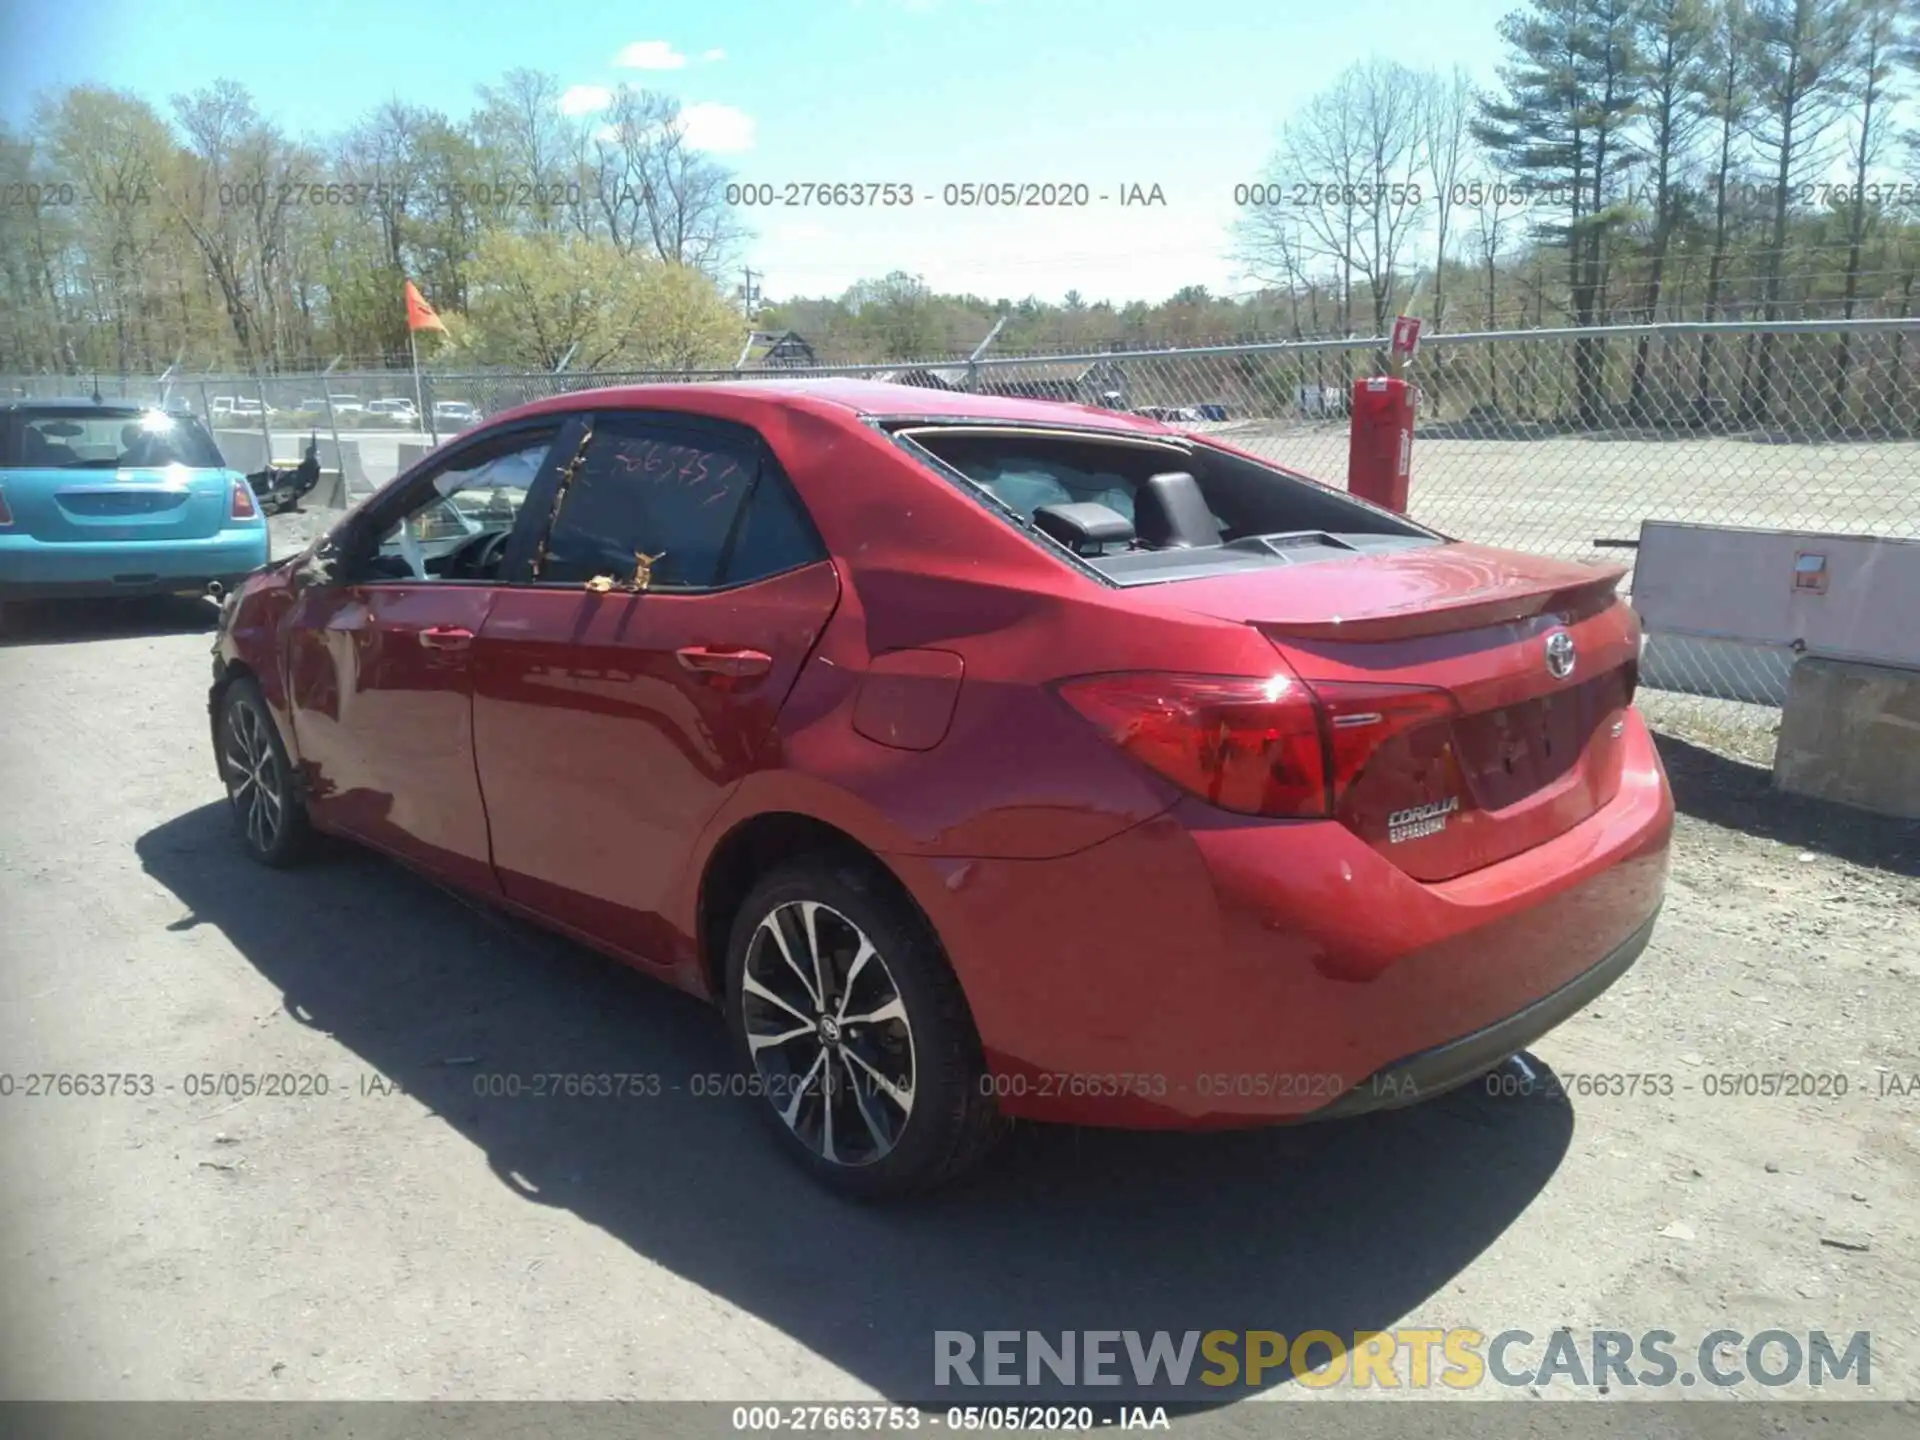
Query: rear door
[[634, 672], [379, 663]]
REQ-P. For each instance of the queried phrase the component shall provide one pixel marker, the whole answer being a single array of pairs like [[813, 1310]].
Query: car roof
[[870, 398], [79, 404]]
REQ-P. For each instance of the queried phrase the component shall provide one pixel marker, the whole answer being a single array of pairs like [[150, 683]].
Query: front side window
[[679, 510], [459, 521]]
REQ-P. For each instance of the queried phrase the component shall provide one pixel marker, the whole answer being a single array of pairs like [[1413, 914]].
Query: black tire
[[272, 825], [952, 1122]]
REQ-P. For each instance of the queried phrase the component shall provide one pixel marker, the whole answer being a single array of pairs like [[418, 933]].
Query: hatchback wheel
[[854, 1033], [267, 812]]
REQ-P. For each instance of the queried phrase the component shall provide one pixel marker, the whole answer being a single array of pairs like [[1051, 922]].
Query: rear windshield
[[107, 438], [1236, 513]]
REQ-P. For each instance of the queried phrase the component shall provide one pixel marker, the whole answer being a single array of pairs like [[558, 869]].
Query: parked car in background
[[395, 412], [344, 406], [454, 415], [239, 407], [1321, 400], [101, 498], [976, 756]]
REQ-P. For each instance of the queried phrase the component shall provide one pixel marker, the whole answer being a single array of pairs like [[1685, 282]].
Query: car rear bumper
[[33, 569], [1204, 970], [1454, 1063]]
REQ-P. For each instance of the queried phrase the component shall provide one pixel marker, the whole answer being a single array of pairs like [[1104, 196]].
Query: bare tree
[[1352, 165], [1272, 243], [387, 154], [521, 125], [655, 192], [1496, 212], [1447, 107]]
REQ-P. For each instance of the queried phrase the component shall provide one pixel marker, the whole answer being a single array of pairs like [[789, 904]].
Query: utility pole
[[748, 293]]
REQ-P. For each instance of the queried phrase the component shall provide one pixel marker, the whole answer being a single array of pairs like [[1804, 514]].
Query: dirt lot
[[402, 1237]]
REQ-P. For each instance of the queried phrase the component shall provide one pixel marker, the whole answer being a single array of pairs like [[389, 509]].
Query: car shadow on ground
[[1739, 795], [69, 622], [1345, 1227]]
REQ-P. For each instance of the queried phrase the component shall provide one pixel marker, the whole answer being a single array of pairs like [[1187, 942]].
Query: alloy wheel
[[828, 1033], [256, 784]]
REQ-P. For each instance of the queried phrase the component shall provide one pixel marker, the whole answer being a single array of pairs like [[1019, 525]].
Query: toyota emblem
[[1560, 655]]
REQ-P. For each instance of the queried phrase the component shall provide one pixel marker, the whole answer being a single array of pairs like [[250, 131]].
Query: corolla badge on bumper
[[1419, 820]]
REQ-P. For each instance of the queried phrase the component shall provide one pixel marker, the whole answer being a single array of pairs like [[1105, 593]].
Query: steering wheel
[[480, 557]]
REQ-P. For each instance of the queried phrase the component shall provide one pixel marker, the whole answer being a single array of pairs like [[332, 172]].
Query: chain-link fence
[[1554, 441]]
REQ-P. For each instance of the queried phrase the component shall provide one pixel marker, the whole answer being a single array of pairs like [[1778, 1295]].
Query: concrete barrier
[[243, 450], [349, 482], [1851, 733]]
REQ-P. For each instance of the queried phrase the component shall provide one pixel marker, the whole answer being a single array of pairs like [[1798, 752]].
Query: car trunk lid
[[69, 504], [1525, 753]]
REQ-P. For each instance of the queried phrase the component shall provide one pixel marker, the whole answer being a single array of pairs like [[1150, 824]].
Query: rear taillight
[[243, 506], [6, 515], [1273, 746]]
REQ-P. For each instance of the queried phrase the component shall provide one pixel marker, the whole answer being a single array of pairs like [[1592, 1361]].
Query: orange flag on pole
[[420, 314]]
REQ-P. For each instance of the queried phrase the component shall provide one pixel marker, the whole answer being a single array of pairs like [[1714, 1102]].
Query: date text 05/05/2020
[[967, 194]]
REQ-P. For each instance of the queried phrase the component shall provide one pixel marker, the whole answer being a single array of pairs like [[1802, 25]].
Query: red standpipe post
[[1380, 441]]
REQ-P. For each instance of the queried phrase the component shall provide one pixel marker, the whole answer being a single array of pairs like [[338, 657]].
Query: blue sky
[[1107, 92]]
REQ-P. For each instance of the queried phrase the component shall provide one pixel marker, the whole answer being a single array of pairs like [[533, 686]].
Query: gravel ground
[[403, 1238]]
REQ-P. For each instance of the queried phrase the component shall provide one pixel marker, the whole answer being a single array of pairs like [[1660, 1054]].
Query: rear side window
[[774, 535], [704, 512]]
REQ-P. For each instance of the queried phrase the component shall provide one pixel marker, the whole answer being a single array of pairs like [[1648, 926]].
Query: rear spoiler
[[1464, 612]]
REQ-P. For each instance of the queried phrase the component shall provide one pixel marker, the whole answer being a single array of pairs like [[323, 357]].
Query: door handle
[[716, 660], [446, 637]]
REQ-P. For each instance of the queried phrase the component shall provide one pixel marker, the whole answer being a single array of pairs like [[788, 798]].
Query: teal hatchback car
[[116, 498]]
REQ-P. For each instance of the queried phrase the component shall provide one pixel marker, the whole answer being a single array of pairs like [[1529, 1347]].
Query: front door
[[379, 658], [625, 688]]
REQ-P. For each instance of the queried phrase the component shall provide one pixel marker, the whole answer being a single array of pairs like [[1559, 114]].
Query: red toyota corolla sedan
[[978, 757]]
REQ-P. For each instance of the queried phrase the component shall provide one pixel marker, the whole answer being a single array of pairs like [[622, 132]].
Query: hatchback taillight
[[243, 506], [6, 515], [1274, 746]]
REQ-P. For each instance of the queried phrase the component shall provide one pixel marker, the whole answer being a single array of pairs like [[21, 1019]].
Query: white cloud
[[714, 54], [607, 134], [650, 55], [585, 99], [712, 126]]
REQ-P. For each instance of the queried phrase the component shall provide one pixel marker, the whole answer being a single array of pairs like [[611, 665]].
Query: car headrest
[[1085, 527], [1170, 513]]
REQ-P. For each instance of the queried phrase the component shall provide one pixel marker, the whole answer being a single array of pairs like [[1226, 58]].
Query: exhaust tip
[[216, 593]]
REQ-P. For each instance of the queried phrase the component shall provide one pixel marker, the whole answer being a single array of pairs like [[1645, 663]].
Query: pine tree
[[1800, 73], [1561, 131]]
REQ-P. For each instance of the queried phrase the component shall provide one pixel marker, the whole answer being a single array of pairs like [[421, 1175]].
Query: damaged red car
[[978, 757]]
